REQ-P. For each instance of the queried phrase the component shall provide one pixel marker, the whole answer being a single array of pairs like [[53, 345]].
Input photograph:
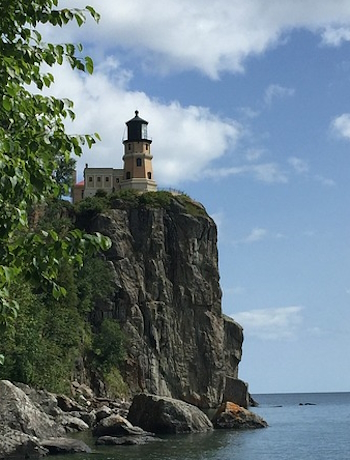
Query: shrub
[[160, 199], [108, 346]]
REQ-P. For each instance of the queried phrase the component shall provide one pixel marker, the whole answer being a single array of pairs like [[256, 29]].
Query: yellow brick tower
[[138, 173]]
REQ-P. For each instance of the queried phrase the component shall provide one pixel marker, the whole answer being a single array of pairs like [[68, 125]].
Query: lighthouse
[[138, 173]]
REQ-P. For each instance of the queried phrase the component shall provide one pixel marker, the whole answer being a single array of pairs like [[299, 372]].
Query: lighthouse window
[[129, 146], [138, 162], [149, 175], [146, 146], [128, 175]]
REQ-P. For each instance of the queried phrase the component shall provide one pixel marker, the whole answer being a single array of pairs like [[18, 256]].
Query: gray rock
[[65, 446], [72, 424], [16, 445], [88, 417], [167, 294], [46, 401], [124, 440], [236, 390], [115, 425], [230, 415], [166, 415], [68, 404], [103, 412], [19, 413]]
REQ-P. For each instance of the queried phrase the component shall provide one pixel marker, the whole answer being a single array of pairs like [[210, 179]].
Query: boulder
[[103, 412], [65, 446], [124, 440], [88, 417], [45, 400], [19, 446], [19, 413], [68, 404], [230, 415], [116, 425], [71, 423], [167, 415]]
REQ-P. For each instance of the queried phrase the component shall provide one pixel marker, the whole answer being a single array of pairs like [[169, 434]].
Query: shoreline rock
[[163, 415], [33, 425], [231, 416]]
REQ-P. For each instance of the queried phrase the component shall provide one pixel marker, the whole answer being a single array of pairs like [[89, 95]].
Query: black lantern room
[[137, 129]]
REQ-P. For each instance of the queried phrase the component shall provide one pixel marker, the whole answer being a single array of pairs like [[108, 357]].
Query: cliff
[[167, 298]]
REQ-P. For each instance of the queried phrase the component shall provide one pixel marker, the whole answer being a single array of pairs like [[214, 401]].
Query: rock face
[[168, 300], [162, 415]]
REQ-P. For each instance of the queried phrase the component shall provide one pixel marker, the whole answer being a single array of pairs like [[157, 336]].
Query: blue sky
[[253, 98]]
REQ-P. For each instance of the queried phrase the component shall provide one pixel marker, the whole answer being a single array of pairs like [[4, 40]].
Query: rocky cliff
[[167, 298]]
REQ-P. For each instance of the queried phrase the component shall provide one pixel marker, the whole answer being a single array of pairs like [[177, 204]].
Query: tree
[[64, 174], [32, 139]]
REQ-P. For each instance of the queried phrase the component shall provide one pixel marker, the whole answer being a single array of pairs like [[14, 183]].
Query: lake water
[[317, 430]]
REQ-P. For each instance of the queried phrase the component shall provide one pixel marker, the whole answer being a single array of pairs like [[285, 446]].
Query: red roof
[[80, 184]]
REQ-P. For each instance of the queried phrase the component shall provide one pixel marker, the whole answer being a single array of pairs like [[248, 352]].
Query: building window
[[90, 181], [98, 179], [107, 179], [146, 146], [149, 175], [128, 175], [138, 162], [129, 146], [117, 180]]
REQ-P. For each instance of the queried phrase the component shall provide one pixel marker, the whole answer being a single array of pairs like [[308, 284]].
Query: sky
[[248, 104]]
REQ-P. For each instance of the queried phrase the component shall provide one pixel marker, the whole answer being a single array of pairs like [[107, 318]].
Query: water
[[320, 431]]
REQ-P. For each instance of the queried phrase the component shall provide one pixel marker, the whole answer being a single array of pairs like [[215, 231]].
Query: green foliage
[[129, 196], [115, 385], [192, 207], [64, 174], [94, 283], [88, 208], [49, 335], [161, 199], [34, 147], [100, 193], [41, 348], [108, 346]]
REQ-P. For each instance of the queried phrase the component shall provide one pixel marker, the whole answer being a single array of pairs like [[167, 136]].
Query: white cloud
[[186, 140], [335, 36], [271, 323], [265, 172], [257, 234], [341, 125], [324, 181], [300, 166], [273, 92], [208, 36]]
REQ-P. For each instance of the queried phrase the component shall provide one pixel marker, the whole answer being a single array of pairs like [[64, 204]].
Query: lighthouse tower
[[137, 173]]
